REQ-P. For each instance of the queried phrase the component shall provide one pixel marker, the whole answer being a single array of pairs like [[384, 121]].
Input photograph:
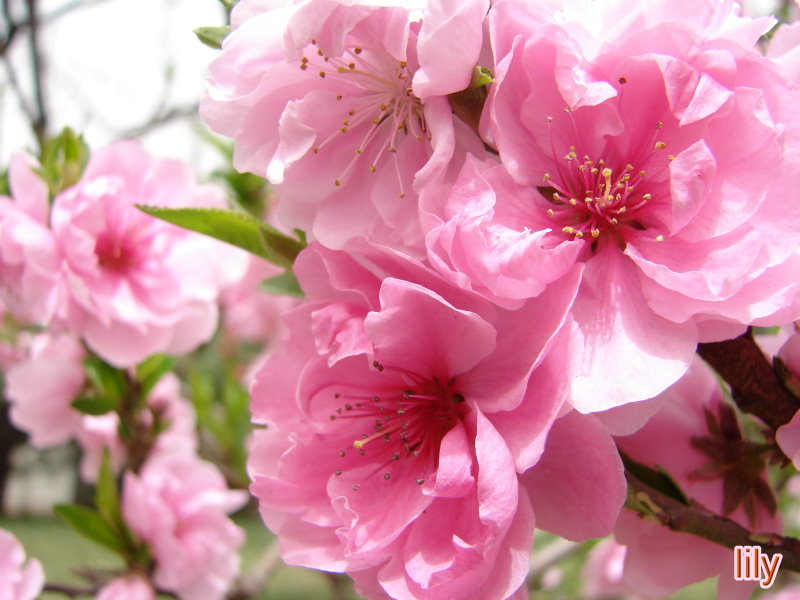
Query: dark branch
[[756, 388]]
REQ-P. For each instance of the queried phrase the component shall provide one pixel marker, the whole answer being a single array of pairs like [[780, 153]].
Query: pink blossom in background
[[249, 314], [656, 145], [178, 504], [788, 435], [127, 587], [178, 436], [28, 253], [18, 580], [399, 413], [42, 387], [320, 96], [696, 439], [602, 573], [137, 285]]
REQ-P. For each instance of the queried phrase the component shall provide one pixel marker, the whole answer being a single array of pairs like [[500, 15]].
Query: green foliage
[[284, 284], [91, 525], [236, 228], [5, 188], [657, 479], [95, 405], [212, 36], [481, 76], [62, 162], [149, 372]]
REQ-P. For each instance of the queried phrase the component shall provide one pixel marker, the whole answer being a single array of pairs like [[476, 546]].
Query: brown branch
[[698, 521], [40, 121], [755, 386]]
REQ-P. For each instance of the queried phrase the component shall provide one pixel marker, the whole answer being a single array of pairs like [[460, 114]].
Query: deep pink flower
[[400, 412], [178, 505], [42, 387], [137, 285], [127, 587], [18, 580], [653, 143], [319, 97], [29, 256], [696, 439]]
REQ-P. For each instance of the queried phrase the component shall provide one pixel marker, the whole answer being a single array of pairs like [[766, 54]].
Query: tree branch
[[698, 521], [755, 386]]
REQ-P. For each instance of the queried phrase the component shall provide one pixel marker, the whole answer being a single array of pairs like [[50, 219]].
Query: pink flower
[[602, 573], [18, 581], [400, 412], [321, 97], [42, 387], [656, 145], [788, 435], [696, 439], [178, 436], [137, 285], [178, 505], [248, 313], [128, 587], [28, 253]]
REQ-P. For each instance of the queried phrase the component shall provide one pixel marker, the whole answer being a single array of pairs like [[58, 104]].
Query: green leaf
[[5, 188], [236, 228], [107, 496], [107, 380], [95, 405], [766, 330], [657, 479], [481, 76], [284, 284], [212, 36], [63, 160], [90, 525], [149, 372]]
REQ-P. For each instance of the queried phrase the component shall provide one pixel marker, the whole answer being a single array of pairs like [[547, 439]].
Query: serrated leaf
[[90, 525], [150, 372], [236, 228], [212, 36], [657, 479], [284, 284], [95, 405]]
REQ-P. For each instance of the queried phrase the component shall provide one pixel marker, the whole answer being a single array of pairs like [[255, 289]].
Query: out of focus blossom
[[19, 580], [128, 587], [178, 504], [137, 285], [176, 435], [29, 256], [42, 387]]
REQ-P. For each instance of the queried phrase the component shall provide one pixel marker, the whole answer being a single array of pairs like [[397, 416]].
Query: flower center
[[116, 251], [379, 109], [591, 198], [403, 424]]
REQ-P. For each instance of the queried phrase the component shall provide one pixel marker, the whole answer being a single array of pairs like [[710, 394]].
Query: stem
[[755, 386], [41, 121], [699, 521]]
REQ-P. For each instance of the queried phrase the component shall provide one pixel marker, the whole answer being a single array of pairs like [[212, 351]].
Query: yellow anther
[[660, 238], [546, 177], [550, 212], [660, 145], [573, 201], [568, 230], [579, 235], [372, 168], [595, 233], [647, 197]]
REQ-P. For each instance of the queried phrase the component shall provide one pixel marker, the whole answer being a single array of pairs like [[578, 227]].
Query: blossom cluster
[[525, 217], [105, 287]]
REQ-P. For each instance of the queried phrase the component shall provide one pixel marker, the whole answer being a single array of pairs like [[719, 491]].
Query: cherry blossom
[[19, 580]]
